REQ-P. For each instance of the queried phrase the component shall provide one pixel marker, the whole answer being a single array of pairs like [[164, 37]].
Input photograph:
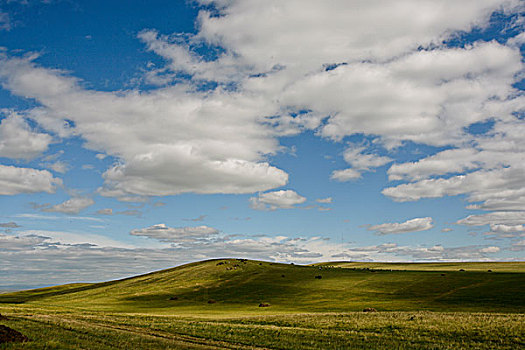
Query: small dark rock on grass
[[318, 277], [9, 335], [264, 305], [211, 301], [174, 298], [369, 309]]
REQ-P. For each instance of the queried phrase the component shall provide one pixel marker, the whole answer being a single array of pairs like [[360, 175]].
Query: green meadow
[[246, 304]]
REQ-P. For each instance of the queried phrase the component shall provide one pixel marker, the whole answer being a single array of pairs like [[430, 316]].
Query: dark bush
[[369, 309]]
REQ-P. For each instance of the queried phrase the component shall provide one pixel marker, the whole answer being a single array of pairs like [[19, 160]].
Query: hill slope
[[233, 285]]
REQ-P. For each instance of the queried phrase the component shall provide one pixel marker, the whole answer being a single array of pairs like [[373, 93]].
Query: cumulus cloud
[[59, 167], [221, 136], [491, 249], [498, 231], [413, 225], [442, 163], [507, 228], [208, 142], [15, 180], [164, 233], [71, 206], [283, 199], [286, 67], [360, 162], [309, 33], [19, 141], [510, 218], [358, 159], [482, 185], [345, 175], [501, 224]]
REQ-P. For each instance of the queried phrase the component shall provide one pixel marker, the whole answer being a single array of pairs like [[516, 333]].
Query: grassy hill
[[516, 267], [241, 285], [215, 305]]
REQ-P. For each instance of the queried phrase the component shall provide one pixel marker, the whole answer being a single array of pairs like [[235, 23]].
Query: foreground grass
[[382, 330], [215, 305]]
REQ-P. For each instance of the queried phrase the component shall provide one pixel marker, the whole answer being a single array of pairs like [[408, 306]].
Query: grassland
[[215, 304]]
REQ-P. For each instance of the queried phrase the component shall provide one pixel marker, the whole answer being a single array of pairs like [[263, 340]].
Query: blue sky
[[139, 137]]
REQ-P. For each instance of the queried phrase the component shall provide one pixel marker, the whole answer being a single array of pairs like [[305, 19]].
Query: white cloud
[[360, 162], [164, 233], [442, 163], [320, 208], [413, 225], [106, 211], [10, 224], [5, 21], [491, 249], [300, 65], [483, 185], [326, 200], [509, 218], [283, 199], [208, 142], [19, 141], [14, 180], [73, 238], [309, 33], [345, 175], [48, 217], [59, 167], [426, 96], [507, 228], [499, 231], [276, 54], [71, 206], [502, 224]]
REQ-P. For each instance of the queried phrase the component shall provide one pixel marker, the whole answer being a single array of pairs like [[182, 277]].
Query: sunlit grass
[[422, 309]]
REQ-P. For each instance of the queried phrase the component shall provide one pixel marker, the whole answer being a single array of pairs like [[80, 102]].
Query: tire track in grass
[[189, 342]]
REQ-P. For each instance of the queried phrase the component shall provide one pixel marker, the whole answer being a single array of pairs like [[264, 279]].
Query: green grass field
[[215, 304]]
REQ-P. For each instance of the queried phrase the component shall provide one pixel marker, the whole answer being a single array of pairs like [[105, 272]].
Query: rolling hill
[[239, 285], [218, 304]]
